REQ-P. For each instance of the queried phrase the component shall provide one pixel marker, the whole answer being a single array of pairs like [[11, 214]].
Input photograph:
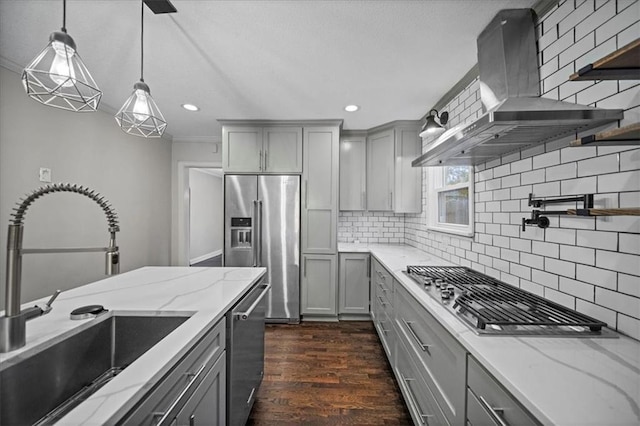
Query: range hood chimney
[[514, 115]]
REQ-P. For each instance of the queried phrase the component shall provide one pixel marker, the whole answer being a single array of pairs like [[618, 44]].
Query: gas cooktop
[[492, 307]]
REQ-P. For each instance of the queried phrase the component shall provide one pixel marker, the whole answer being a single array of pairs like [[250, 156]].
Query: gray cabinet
[[439, 357], [353, 172], [320, 190], [392, 184], [380, 170], [319, 285], [207, 404], [382, 287], [353, 284], [488, 403], [261, 149]]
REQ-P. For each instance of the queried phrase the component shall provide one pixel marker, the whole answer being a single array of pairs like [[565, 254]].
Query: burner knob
[[445, 295], [451, 289], [439, 282]]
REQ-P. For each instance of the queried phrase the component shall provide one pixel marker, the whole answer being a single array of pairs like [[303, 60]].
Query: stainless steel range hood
[[515, 116]]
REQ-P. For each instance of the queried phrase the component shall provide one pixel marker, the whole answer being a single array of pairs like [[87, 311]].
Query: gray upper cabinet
[[380, 170], [353, 173], [261, 149], [320, 190], [408, 180]]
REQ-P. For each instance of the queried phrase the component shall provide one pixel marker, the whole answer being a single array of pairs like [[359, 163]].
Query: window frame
[[432, 197]]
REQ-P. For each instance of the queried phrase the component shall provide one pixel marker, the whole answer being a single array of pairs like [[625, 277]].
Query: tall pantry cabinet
[[319, 220]]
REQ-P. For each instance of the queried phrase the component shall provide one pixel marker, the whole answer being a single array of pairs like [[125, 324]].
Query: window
[[450, 199]]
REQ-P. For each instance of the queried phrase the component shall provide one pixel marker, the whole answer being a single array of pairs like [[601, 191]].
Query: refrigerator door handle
[[254, 229], [258, 231]]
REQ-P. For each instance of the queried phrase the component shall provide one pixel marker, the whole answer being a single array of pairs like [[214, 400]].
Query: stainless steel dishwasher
[[245, 353]]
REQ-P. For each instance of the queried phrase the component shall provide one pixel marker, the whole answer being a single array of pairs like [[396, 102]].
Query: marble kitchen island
[[202, 294]]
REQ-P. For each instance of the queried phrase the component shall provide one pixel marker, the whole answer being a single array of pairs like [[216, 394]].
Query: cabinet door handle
[[413, 401], [251, 395], [391, 200], [166, 415], [495, 413], [362, 201], [382, 302], [382, 287], [260, 161], [407, 324], [306, 193], [369, 267], [266, 162], [304, 268], [192, 420]]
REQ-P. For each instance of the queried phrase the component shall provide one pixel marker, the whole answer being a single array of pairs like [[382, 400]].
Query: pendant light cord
[[141, 40], [64, 16]]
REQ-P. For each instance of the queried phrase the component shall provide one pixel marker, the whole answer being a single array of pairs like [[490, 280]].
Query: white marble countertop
[[204, 294], [561, 381]]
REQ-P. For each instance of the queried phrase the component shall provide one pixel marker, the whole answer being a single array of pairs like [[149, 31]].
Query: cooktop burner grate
[[495, 306]]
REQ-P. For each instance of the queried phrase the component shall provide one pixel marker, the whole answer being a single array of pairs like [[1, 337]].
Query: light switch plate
[[45, 175]]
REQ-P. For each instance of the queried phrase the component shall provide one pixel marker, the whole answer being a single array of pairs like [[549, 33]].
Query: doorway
[[206, 216]]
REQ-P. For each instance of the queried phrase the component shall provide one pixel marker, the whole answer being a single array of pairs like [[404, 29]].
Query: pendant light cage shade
[[140, 116], [57, 77]]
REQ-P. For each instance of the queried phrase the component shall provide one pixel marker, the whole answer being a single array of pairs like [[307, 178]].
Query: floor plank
[[327, 374]]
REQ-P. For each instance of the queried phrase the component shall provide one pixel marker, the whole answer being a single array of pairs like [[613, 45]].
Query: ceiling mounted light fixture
[[140, 116], [351, 108], [190, 107], [57, 77], [431, 126]]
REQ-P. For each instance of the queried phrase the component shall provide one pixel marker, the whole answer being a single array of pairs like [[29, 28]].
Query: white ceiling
[[264, 59]]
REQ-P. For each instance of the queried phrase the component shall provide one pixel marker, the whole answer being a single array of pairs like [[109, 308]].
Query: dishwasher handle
[[243, 316]]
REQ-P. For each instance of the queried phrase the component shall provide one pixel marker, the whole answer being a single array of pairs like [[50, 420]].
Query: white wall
[[206, 214], [88, 149]]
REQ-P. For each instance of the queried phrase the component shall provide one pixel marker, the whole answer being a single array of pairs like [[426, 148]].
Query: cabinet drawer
[[442, 358], [491, 404], [386, 333], [178, 385], [419, 398]]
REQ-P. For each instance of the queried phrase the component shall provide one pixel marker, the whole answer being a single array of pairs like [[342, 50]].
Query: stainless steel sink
[[44, 387]]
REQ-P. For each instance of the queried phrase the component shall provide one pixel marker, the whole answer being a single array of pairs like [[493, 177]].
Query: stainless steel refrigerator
[[262, 228]]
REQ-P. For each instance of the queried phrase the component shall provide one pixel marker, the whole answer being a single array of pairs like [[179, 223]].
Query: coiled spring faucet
[[13, 323]]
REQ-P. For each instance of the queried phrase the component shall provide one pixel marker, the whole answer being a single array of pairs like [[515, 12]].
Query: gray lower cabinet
[[207, 404], [194, 386], [319, 285], [382, 285], [353, 284], [488, 403], [440, 359]]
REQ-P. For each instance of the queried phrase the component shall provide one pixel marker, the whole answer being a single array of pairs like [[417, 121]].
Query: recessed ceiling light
[[190, 107], [351, 108]]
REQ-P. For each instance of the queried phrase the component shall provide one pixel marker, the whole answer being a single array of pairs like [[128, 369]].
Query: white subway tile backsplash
[[630, 160], [577, 50], [619, 302], [577, 288], [602, 14], [618, 182], [621, 262], [546, 160], [621, 21], [603, 314], [561, 298], [630, 243], [586, 185], [545, 249], [598, 165], [597, 239], [560, 267], [576, 257], [629, 326], [575, 254]]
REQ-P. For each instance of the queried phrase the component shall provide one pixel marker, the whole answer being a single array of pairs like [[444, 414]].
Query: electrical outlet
[[45, 175]]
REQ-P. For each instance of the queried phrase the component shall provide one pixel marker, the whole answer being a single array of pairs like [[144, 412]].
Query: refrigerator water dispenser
[[241, 232]]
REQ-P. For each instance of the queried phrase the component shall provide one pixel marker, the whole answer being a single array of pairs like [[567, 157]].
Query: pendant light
[[140, 116], [57, 77]]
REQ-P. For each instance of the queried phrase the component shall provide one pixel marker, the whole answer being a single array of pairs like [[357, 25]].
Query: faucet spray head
[[112, 259]]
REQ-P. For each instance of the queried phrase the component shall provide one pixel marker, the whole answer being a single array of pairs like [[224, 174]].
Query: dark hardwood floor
[[327, 374]]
